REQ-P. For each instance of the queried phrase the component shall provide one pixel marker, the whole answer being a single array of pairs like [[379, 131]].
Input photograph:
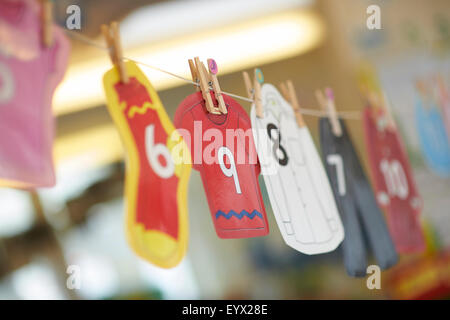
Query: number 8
[[277, 144]]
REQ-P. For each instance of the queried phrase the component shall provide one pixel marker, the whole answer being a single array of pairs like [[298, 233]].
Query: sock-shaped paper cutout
[[298, 187], [27, 84], [223, 151], [395, 188], [433, 137], [356, 203], [156, 183]]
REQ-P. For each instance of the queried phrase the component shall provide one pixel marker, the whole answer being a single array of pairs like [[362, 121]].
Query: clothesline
[[351, 115]]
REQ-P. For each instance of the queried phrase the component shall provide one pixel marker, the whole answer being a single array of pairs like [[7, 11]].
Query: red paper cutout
[[149, 202], [396, 191], [235, 215]]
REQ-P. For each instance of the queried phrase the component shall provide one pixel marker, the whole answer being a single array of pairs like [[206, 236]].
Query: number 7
[[336, 159]]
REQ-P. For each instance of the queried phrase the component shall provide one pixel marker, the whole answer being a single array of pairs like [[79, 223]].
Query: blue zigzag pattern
[[238, 215]]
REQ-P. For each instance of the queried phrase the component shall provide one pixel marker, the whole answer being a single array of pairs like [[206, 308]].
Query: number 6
[[231, 171], [153, 151]]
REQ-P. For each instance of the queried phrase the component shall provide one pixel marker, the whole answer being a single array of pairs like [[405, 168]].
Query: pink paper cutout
[[26, 119]]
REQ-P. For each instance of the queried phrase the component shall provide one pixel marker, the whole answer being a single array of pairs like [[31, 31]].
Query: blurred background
[[315, 43]]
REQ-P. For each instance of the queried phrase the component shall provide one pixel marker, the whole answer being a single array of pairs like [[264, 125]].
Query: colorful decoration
[[228, 165], [298, 188], [156, 180], [433, 137]]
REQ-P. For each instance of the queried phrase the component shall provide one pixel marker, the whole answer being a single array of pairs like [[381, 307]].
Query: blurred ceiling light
[[234, 47], [100, 280], [37, 281], [90, 148], [174, 18], [175, 283], [16, 213]]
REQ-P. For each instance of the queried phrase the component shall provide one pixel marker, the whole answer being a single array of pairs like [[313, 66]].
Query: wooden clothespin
[[288, 91], [112, 38], [328, 103], [200, 76], [378, 102], [388, 111], [370, 96], [213, 69], [47, 22], [194, 74], [321, 99], [254, 91]]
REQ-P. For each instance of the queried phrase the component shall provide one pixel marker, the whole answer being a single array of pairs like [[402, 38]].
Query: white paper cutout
[[298, 187]]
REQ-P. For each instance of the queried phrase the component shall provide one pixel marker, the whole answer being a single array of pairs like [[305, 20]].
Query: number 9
[[231, 171]]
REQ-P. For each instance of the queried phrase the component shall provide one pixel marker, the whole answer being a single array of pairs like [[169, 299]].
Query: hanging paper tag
[[298, 188], [156, 181], [223, 150], [433, 138], [356, 203], [395, 187], [26, 90]]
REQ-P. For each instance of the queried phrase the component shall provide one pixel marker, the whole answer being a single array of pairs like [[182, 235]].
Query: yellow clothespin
[[254, 91], [112, 38], [213, 69], [47, 22], [288, 91], [200, 76]]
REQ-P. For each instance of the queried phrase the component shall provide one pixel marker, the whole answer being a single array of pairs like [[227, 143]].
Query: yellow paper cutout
[[154, 246]]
